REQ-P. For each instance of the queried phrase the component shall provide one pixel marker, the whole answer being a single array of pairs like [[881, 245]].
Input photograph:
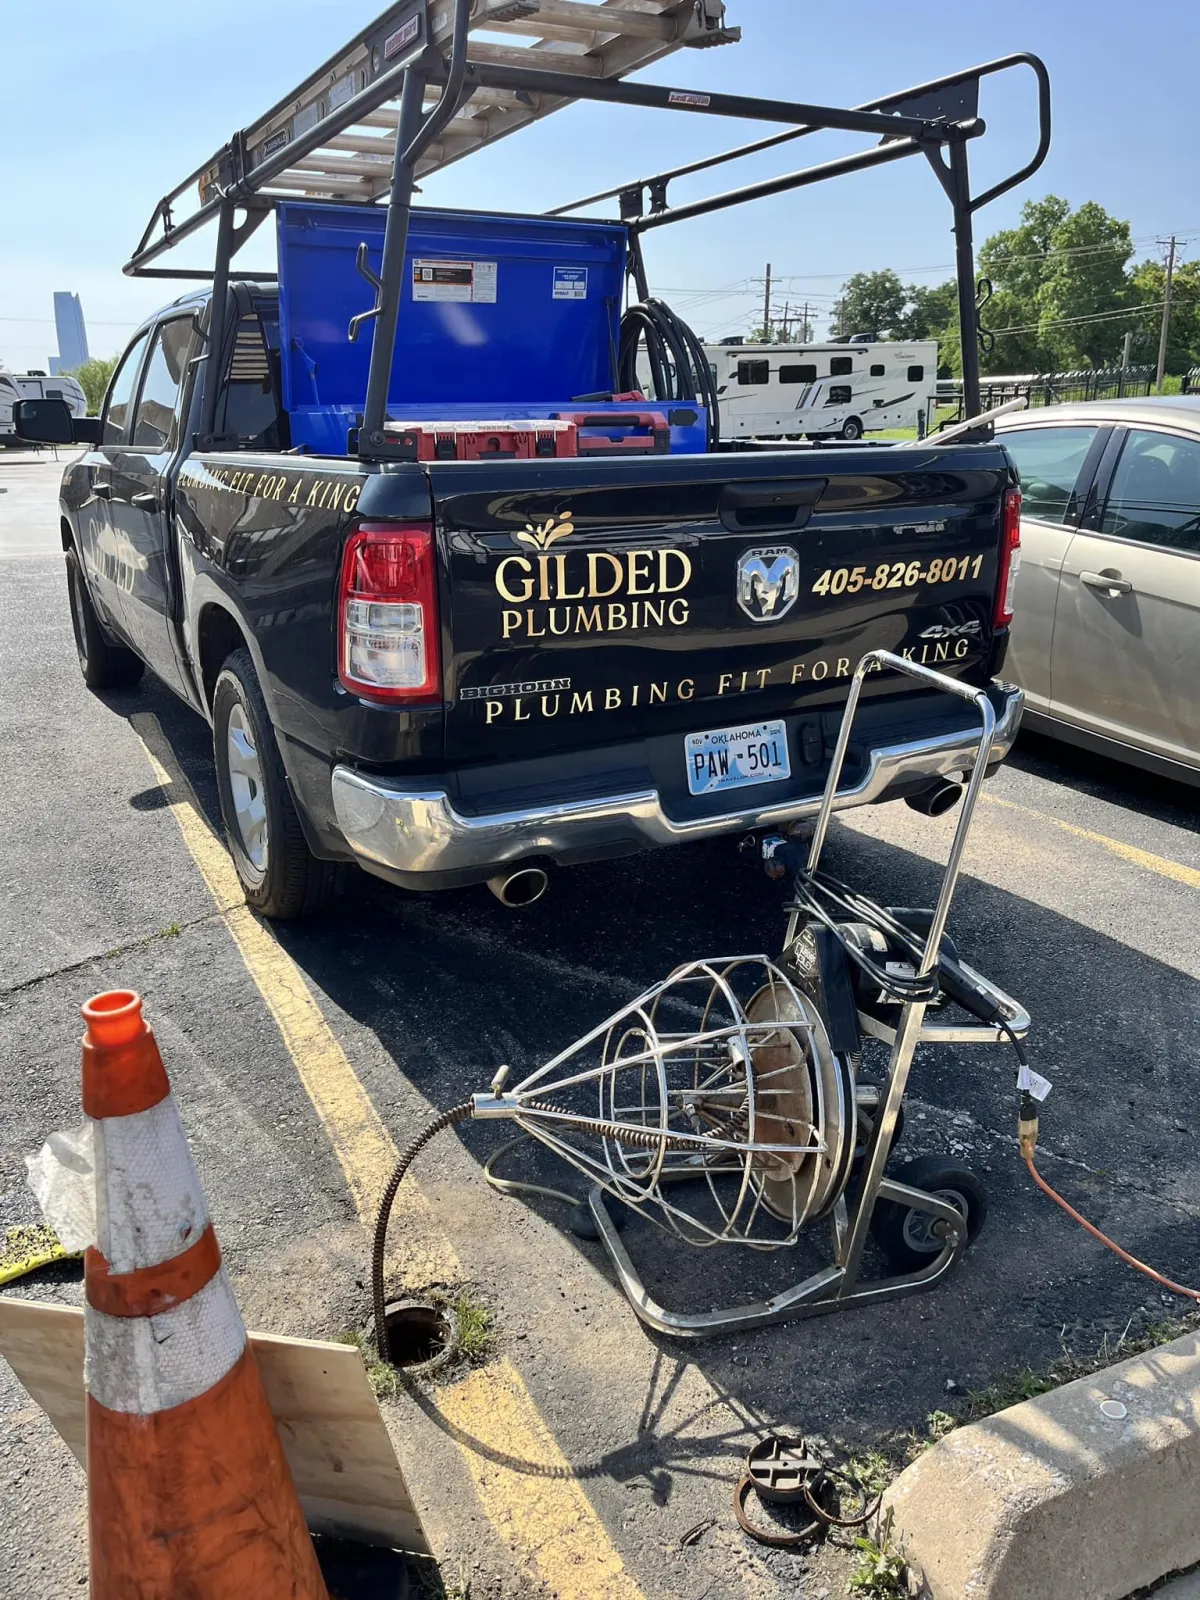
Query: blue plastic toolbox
[[501, 316]]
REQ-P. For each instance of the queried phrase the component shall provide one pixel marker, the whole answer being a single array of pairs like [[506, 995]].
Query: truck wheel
[[852, 428], [104, 665], [279, 874]]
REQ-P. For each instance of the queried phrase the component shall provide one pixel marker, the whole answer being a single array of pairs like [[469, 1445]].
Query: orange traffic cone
[[189, 1495]]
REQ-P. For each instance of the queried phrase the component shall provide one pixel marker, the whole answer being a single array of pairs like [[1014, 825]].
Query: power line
[[1122, 314], [48, 322], [1041, 255]]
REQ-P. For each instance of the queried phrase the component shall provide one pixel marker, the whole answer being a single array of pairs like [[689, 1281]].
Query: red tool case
[[605, 433], [568, 433], [520, 440]]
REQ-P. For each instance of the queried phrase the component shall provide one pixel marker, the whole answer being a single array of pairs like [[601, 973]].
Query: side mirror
[[50, 422]]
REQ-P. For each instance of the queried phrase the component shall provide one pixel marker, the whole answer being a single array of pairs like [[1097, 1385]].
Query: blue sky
[[104, 108]]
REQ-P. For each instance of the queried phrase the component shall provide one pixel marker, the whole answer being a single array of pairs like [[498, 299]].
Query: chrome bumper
[[410, 829]]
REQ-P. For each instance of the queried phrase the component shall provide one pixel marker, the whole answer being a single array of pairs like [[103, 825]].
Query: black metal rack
[[259, 166]]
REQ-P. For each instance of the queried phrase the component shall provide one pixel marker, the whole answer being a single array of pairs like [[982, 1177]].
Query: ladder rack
[[432, 80], [334, 137]]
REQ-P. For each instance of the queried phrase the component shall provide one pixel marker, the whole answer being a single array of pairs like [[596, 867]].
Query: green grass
[[383, 1378], [881, 1570], [476, 1338], [476, 1331]]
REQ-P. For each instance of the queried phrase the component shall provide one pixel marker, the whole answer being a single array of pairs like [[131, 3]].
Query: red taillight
[[1010, 557], [387, 613]]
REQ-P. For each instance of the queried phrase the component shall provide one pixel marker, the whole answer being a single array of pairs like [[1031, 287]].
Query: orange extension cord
[[1028, 1140]]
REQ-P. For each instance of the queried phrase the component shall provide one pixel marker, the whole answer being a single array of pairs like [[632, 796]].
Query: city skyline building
[[72, 333]]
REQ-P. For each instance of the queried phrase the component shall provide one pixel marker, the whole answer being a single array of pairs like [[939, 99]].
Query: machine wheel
[[904, 1234], [852, 428], [104, 665], [279, 874]]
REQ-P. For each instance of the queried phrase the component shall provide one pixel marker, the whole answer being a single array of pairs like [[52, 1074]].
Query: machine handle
[[654, 440], [987, 730], [1110, 581]]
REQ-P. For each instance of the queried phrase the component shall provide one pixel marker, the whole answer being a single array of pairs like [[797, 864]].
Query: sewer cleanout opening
[[419, 1336]]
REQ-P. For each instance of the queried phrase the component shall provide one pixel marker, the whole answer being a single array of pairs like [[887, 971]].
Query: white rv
[[36, 386], [9, 395], [820, 391]]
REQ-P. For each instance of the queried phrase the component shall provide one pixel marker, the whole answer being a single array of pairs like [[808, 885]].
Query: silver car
[[1106, 636]]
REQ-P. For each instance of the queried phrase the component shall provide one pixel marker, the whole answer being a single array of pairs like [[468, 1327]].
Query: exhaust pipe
[[519, 888], [939, 798]]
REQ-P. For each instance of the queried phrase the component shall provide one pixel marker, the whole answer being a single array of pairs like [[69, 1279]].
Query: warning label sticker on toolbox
[[570, 283], [454, 280]]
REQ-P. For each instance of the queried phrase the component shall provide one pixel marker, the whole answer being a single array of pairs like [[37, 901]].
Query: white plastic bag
[[62, 1176]]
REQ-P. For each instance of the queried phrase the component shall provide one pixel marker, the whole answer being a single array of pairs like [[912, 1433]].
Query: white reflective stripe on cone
[[147, 1364], [149, 1203]]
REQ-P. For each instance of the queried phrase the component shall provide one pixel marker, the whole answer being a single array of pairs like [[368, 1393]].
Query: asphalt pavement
[[1078, 896]]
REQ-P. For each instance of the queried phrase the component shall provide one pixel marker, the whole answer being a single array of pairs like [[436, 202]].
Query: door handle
[[102, 491], [145, 501], [1110, 581]]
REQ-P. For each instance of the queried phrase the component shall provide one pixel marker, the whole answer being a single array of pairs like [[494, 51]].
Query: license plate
[[730, 758]]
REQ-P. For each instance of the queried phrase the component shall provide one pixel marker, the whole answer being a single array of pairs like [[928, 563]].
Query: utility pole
[[767, 305], [1166, 317], [805, 328], [1126, 352]]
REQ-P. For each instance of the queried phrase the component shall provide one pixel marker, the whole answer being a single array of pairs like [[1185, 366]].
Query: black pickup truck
[[482, 594], [453, 671]]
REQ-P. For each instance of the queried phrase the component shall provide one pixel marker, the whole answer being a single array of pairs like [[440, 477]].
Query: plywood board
[[342, 1460]]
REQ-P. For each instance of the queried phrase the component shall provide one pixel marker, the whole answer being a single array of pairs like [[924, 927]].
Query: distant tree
[[1015, 258], [870, 302], [1056, 276], [1148, 285], [1012, 352], [93, 378], [1085, 278], [932, 309]]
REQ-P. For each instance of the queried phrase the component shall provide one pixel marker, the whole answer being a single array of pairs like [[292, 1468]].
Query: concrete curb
[[1059, 1499]]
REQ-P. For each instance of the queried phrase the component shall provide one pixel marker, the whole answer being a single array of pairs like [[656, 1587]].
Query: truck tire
[[104, 665], [852, 428], [280, 876]]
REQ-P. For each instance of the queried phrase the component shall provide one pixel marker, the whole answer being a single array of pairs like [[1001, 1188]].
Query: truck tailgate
[[589, 603]]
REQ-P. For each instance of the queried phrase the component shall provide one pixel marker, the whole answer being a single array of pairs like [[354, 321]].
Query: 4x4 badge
[[950, 630], [768, 581]]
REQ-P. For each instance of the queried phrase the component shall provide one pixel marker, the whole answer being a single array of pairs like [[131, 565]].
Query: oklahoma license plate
[[730, 758]]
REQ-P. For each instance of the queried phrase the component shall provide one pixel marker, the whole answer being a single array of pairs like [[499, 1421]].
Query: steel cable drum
[[721, 1074]]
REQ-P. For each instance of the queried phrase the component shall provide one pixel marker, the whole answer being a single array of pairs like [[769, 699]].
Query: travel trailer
[[36, 386], [822, 391], [9, 394]]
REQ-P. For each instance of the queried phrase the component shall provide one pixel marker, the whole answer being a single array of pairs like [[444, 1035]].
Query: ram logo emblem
[[768, 581]]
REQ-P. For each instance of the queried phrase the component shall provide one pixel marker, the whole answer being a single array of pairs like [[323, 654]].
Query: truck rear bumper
[[410, 831]]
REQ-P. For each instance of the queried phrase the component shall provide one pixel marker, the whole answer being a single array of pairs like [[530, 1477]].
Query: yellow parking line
[[1165, 867], [360, 1141], [548, 1513], [544, 1516]]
